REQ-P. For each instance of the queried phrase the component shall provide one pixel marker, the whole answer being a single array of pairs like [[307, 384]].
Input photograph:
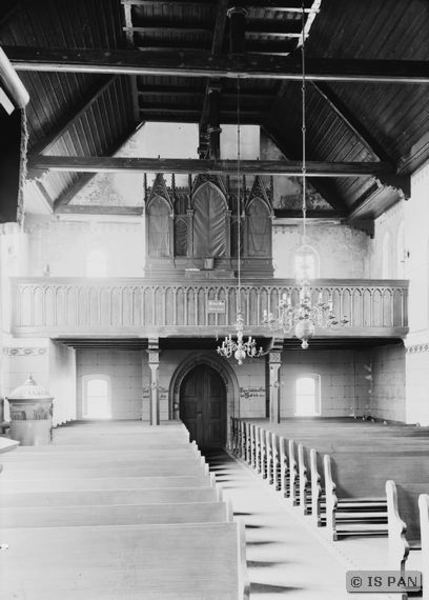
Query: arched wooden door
[[203, 407]]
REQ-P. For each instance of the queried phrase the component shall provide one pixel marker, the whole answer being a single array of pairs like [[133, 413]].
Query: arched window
[[96, 264], [386, 265], [307, 396], [306, 263], [96, 398]]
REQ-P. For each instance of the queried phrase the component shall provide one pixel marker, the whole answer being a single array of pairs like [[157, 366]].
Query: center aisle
[[284, 557]]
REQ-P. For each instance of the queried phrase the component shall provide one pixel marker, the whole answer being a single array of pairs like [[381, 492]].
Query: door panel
[[203, 407]]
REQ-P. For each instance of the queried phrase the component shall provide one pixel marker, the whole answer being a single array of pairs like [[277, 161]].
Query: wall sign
[[216, 306]]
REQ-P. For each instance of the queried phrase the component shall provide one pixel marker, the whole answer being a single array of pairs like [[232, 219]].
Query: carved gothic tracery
[[201, 221]]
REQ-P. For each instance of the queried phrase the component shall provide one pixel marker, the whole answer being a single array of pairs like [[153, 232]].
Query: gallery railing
[[61, 306]]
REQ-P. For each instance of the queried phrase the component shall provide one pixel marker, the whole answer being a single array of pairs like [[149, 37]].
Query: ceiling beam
[[203, 64], [277, 28], [171, 90], [276, 5], [104, 209], [340, 109], [71, 117], [95, 164]]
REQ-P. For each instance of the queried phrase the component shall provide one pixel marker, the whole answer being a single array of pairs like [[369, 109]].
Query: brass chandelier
[[303, 318], [230, 347]]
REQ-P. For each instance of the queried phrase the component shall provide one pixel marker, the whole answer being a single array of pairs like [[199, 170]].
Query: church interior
[[214, 282]]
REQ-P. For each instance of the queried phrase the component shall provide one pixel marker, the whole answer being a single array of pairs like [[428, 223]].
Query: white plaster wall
[[340, 376], [65, 245], [391, 224], [343, 252], [388, 383], [417, 342], [124, 367], [62, 381]]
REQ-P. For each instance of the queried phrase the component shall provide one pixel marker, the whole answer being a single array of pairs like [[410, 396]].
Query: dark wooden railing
[[61, 306]]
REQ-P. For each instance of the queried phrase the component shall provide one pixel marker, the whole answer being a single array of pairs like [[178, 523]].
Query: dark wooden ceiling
[[97, 69]]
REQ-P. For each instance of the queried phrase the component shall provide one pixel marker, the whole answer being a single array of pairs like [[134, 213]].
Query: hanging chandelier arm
[[303, 128], [238, 199]]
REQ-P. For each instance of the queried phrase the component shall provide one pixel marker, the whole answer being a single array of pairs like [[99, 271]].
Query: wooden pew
[[34, 471], [101, 460], [7, 445], [116, 514], [106, 483], [423, 503], [355, 483], [191, 561], [404, 519], [111, 497], [312, 478], [96, 452]]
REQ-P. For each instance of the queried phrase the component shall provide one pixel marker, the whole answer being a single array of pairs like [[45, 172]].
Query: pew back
[[191, 561]]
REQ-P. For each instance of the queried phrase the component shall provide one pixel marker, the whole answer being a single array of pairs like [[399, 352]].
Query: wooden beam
[[11, 83], [95, 164], [253, 45], [293, 6], [290, 6], [338, 106], [202, 64], [282, 29], [72, 116], [167, 28], [105, 209], [181, 3]]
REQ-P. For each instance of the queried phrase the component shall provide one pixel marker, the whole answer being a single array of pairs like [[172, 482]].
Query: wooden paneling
[[78, 306]]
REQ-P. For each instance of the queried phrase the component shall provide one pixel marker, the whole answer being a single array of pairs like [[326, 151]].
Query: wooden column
[[237, 29], [153, 353], [214, 127], [274, 364]]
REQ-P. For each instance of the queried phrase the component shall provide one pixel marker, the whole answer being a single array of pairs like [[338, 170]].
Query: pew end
[[423, 503], [316, 488], [398, 546]]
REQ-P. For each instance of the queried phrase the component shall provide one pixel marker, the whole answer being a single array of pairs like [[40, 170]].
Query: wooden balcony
[[60, 307]]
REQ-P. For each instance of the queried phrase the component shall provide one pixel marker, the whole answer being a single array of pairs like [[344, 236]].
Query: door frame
[[222, 367]]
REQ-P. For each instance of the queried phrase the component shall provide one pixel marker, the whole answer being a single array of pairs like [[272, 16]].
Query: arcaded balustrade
[[42, 306]]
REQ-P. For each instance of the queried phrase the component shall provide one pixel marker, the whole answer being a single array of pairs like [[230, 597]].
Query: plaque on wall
[[216, 306]]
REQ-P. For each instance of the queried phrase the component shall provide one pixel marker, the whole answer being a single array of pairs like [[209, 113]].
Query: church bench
[[423, 503], [355, 484], [404, 531], [70, 459], [115, 514], [311, 470], [7, 445], [34, 470], [51, 450], [192, 561], [106, 483], [108, 497]]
